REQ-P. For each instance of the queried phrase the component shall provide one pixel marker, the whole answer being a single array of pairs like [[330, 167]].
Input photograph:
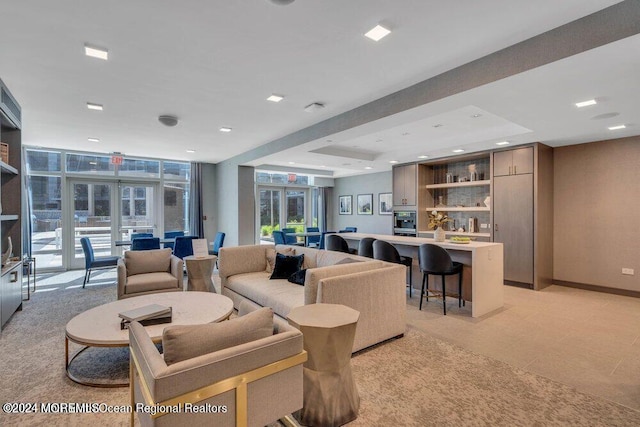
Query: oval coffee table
[[100, 326]]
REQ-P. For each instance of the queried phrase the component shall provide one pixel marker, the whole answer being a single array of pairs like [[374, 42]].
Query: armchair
[[257, 382], [147, 272]]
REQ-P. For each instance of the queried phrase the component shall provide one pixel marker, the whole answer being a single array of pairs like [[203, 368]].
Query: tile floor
[[588, 340]]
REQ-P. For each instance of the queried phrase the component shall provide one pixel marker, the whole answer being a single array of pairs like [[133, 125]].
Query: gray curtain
[[196, 225], [324, 193]]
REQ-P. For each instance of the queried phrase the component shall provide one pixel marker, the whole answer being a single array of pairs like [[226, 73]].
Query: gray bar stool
[[385, 251]]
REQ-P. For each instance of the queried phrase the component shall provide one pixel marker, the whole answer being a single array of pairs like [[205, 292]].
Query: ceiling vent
[[168, 120], [311, 108]]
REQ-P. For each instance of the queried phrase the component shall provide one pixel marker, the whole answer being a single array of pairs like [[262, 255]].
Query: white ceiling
[[213, 64]]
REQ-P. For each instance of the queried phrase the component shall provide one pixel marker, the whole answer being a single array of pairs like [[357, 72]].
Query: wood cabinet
[[405, 185], [523, 213], [11, 203], [513, 162]]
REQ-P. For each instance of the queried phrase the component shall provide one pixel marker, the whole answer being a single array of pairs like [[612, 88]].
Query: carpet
[[413, 381]]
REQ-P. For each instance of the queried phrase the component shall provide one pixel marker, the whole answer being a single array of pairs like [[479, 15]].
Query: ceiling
[[214, 64]]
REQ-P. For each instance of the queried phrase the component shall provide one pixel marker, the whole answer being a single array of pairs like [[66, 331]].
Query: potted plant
[[436, 221]]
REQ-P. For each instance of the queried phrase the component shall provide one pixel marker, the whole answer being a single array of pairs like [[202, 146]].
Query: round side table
[[199, 270], [330, 394]]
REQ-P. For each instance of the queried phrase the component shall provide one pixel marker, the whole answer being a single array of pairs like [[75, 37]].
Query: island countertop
[[483, 275]]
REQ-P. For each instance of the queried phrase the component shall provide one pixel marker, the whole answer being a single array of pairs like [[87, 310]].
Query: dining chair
[[313, 240], [365, 247], [436, 261], [323, 240], [92, 262], [172, 235], [291, 240], [145, 243], [349, 230], [217, 244], [279, 238], [385, 251], [183, 246], [138, 235]]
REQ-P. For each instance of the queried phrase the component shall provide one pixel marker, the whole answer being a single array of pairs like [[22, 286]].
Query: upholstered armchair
[[147, 272], [251, 383]]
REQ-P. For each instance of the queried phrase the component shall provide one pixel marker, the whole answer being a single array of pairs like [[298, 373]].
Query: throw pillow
[[298, 277], [182, 342], [286, 266], [347, 261], [271, 257]]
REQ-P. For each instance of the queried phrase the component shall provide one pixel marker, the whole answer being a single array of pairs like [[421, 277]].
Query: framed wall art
[[365, 204], [344, 206]]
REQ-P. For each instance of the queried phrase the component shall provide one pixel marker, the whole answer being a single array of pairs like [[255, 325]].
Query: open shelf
[[460, 184], [459, 233], [460, 209], [8, 168], [8, 217]]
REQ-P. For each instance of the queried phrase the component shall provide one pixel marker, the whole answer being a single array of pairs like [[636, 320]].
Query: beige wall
[[597, 213]]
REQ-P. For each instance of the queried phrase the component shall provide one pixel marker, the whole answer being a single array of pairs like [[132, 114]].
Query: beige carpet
[[413, 381]]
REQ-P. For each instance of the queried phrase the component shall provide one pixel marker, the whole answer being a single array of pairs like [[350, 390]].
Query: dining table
[[128, 242], [305, 235]]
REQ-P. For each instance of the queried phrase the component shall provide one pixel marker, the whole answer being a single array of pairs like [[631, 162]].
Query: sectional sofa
[[375, 288]]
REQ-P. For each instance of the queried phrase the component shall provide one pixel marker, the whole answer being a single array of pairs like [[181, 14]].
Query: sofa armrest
[[177, 268], [122, 277], [379, 296], [242, 259], [314, 275]]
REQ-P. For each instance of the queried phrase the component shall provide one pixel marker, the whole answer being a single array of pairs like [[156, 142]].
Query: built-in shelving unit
[[11, 198], [459, 209], [458, 233], [484, 182]]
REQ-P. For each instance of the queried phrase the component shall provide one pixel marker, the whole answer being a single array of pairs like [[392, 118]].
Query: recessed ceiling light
[[93, 140], [292, 163], [92, 106], [368, 167], [475, 116], [586, 103], [617, 127], [423, 157], [459, 150], [191, 151], [96, 52], [93, 163], [502, 143], [225, 129], [275, 98], [393, 162], [323, 166], [377, 33]]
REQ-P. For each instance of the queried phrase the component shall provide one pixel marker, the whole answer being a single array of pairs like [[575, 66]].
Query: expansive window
[[73, 194]]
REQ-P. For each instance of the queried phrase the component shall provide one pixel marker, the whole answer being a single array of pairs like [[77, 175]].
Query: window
[[139, 168]]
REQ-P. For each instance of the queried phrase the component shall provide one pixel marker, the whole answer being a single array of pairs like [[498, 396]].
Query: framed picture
[[385, 204], [365, 204], [345, 205]]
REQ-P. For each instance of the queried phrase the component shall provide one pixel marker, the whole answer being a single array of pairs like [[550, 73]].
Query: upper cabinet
[[405, 185], [513, 162]]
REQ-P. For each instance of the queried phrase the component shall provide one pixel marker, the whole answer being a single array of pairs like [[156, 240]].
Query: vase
[[439, 235]]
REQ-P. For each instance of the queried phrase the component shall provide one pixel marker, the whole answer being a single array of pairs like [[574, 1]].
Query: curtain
[[26, 209], [323, 193], [196, 225]]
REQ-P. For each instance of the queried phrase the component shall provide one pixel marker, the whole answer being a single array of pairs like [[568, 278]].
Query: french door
[[106, 211], [281, 207]]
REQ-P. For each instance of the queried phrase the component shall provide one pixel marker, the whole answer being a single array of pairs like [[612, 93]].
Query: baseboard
[[518, 284], [596, 288]]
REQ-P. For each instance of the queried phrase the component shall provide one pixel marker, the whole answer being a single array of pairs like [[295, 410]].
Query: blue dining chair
[[183, 246], [172, 235], [279, 237], [92, 262], [291, 240], [349, 230], [145, 243], [217, 243], [138, 235], [313, 240]]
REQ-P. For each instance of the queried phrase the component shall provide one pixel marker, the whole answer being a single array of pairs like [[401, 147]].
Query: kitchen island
[[483, 267]]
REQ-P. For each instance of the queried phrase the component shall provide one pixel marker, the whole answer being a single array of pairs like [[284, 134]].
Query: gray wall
[[235, 204], [596, 206], [374, 183], [209, 198]]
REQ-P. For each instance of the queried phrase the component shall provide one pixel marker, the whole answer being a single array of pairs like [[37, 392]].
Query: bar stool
[[436, 261], [365, 247], [385, 251]]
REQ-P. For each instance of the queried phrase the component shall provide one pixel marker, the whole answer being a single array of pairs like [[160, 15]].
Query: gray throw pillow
[[182, 342]]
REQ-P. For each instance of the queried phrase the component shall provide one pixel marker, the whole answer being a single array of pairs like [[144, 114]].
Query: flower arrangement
[[437, 219]]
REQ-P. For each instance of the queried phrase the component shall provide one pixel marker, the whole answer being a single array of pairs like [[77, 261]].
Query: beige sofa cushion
[[316, 274], [141, 262], [150, 282], [278, 294], [182, 342]]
